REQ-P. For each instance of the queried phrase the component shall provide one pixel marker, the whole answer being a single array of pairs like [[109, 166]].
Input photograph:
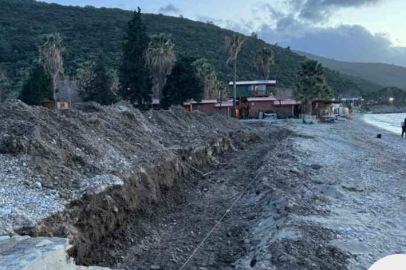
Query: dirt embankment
[[83, 171]]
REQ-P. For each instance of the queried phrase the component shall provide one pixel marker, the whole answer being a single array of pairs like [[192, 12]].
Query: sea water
[[390, 122]]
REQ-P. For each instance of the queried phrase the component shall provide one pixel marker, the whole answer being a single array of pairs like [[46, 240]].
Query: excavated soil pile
[[81, 171]]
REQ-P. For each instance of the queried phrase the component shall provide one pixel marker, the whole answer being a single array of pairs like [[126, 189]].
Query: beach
[[266, 196], [363, 177]]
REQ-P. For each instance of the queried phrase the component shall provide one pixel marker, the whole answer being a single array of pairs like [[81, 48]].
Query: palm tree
[[208, 75], [263, 60], [50, 56], [160, 60], [311, 84], [232, 46]]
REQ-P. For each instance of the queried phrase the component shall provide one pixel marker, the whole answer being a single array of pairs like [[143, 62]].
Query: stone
[[5, 211], [155, 267], [38, 185], [316, 167]]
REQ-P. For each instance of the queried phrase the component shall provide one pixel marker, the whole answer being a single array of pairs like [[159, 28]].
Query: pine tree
[[136, 82], [38, 88], [183, 84], [99, 87]]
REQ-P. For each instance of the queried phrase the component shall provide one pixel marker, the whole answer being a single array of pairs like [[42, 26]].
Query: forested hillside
[[384, 74], [88, 31]]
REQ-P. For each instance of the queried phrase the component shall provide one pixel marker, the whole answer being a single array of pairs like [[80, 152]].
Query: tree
[[99, 87], [115, 82], [38, 87], [223, 91], [50, 56], [84, 74], [232, 46], [263, 60], [69, 90], [254, 35], [136, 83], [311, 84], [161, 58], [206, 72], [182, 84], [4, 86]]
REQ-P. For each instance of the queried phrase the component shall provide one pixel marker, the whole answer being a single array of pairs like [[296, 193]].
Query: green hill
[[384, 74], [87, 31]]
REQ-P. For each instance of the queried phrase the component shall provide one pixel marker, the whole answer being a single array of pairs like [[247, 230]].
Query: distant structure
[[255, 99], [59, 104]]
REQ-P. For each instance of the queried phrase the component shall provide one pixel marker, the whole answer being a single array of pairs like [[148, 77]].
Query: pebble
[[38, 185], [155, 267]]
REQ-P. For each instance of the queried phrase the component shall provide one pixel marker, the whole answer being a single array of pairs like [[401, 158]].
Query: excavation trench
[[139, 190], [102, 226]]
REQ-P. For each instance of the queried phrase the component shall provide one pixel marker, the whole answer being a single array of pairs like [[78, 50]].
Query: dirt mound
[[83, 170], [68, 146]]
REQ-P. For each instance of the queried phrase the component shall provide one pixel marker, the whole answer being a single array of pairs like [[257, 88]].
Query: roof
[[204, 101], [285, 102], [261, 99], [351, 99], [267, 82], [224, 104], [326, 101]]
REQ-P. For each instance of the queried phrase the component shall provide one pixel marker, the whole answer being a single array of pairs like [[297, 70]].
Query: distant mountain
[[87, 31], [383, 74]]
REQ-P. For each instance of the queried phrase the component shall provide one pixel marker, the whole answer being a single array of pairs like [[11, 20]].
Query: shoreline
[[365, 183], [381, 124]]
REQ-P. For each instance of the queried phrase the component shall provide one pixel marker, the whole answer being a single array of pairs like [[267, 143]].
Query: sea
[[390, 122]]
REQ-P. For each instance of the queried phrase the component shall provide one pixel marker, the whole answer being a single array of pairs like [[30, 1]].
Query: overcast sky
[[350, 30]]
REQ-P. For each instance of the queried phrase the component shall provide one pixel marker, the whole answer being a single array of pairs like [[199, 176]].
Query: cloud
[[240, 27], [169, 9], [298, 26], [352, 43], [320, 10]]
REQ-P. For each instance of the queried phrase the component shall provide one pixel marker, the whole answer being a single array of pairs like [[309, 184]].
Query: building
[[59, 104], [210, 106], [247, 89], [353, 102], [253, 107], [254, 98]]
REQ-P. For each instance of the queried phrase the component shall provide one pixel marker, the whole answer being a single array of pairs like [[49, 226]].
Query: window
[[262, 87], [250, 87]]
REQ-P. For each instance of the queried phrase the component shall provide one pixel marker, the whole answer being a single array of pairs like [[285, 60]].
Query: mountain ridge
[[88, 30], [385, 74]]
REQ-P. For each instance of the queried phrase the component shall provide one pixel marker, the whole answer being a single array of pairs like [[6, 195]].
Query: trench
[[104, 229]]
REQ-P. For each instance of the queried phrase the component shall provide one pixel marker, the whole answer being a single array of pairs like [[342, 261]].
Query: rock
[[316, 167], [155, 267], [38, 185], [47, 184], [5, 211]]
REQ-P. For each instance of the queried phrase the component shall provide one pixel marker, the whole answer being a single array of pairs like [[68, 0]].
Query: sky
[[347, 30]]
